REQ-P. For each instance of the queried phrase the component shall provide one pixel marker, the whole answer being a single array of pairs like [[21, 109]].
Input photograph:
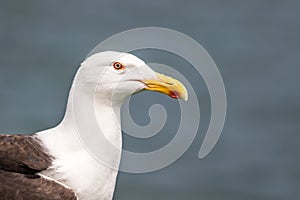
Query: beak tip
[[185, 97], [178, 95], [184, 94], [167, 85]]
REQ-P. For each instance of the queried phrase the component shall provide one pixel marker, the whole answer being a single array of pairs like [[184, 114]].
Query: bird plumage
[[54, 163], [22, 157]]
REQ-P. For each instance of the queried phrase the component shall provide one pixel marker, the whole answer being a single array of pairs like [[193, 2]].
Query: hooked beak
[[167, 85]]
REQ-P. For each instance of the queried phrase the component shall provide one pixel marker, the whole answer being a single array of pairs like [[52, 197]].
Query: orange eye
[[118, 66]]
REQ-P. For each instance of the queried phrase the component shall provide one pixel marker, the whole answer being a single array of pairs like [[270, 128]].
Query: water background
[[255, 45]]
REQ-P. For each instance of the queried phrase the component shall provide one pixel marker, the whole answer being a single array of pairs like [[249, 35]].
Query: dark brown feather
[[16, 186], [23, 154], [21, 158]]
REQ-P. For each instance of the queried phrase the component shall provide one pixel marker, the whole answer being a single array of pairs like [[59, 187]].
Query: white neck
[[73, 164]]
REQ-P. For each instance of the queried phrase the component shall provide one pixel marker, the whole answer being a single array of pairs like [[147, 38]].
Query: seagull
[[54, 164]]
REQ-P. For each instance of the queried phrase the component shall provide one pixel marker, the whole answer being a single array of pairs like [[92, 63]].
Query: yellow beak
[[168, 86]]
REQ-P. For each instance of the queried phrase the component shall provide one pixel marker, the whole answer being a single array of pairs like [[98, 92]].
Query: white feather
[[73, 166]]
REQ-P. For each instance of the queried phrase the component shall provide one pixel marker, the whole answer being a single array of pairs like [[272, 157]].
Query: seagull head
[[118, 75]]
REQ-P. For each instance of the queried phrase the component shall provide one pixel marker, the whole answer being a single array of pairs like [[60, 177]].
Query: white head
[[101, 85], [118, 75]]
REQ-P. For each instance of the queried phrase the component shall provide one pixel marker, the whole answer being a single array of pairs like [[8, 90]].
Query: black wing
[[21, 158], [23, 154], [16, 186]]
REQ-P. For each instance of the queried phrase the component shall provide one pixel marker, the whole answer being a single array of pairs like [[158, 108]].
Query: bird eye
[[118, 66]]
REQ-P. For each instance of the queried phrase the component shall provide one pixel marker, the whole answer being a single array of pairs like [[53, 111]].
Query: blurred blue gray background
[[255, 44]]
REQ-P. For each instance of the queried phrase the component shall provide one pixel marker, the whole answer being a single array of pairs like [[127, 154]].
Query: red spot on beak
[[174, 94]]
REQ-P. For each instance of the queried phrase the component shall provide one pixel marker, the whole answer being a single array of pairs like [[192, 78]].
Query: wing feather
[[21, 158], [23, 154], [16, 186]]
